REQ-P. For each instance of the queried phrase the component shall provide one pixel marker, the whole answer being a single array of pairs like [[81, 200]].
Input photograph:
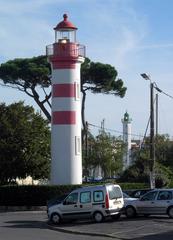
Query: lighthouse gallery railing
[[77, 51]]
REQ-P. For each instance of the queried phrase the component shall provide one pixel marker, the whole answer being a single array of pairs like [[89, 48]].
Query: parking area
[[156, 227], [35, 225]]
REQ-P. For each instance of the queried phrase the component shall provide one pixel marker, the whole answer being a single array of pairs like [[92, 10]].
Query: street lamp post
[[152, 144], [157, 114]]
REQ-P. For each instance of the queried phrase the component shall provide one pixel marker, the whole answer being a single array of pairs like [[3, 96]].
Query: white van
[[95, 202]]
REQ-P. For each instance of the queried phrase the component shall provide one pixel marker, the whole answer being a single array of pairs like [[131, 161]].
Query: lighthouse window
[[77, 91], [77, 145], [69, 36], [62, 35]]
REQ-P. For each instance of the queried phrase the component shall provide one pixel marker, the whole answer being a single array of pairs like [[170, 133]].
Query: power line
[[161, 91], [167, 94], [112, 130]]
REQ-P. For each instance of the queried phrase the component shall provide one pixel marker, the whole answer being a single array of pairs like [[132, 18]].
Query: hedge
[[36, 195], [31, 195]]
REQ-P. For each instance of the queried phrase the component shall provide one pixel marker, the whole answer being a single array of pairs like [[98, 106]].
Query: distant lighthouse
[[65, 56], [127, 131]]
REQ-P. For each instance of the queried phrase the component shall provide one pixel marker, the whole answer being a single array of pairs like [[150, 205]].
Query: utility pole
[[86, 141], [152, 144], [157, 114], [152, 140], [103, 125]]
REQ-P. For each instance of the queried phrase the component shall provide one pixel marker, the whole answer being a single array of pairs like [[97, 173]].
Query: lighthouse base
[[66, 164]]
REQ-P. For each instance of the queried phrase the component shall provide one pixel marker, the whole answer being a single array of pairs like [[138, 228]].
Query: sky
[[134, 36]]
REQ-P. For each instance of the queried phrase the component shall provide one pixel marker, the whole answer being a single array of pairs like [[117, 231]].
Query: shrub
[[129, 186], [15, 195], [31, 195]]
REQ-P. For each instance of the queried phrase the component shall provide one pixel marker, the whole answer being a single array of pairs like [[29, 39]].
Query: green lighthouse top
[[127, 118]]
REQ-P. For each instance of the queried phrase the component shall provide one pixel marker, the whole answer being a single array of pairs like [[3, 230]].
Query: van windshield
[[114, 193]]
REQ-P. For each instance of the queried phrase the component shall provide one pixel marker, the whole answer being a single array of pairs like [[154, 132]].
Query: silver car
[[97, 202], [155, 202], [128, 199]]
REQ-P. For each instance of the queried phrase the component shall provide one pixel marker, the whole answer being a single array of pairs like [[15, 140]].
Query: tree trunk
[[40, 104], [46, 113], [83, 108], [83, 116]]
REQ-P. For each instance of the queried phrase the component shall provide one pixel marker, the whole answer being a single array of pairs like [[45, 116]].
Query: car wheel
[[98, 217], [170, 212], [130, 212], [116, 216], [55, 218]]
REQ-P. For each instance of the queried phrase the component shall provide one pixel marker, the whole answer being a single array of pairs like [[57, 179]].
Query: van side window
[[85, 197], [71, 199], [98, 196], [115, 193]]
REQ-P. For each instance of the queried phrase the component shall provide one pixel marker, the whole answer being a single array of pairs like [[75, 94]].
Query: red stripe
[[63, 90], [64, 65], [64, 117]]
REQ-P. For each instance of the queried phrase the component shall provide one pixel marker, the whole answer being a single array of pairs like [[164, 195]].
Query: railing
[[66, 50]]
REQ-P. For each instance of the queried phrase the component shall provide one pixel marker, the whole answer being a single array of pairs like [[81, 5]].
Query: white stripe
[[66, 75], [65, 104]]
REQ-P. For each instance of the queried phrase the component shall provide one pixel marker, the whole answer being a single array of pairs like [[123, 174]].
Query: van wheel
[[55, 218], [98, 217], [116, 216], [130, 212], [170, 212]]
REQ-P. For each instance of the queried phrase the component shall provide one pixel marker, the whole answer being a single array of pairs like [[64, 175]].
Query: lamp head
[[145, 76]]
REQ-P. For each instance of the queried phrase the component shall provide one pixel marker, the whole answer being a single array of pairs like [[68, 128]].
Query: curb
[[59, 229]]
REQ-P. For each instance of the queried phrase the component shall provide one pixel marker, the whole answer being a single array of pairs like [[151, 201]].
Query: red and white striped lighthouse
[[66, 56]]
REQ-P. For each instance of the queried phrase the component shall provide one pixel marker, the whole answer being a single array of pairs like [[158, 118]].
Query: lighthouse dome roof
[[65, 24], [126, 115]]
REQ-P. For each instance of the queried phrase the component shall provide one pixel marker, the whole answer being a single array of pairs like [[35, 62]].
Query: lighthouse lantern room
[[65, 31], [65, 56]]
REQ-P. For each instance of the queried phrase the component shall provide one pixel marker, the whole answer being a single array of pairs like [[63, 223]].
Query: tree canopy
[[163, 168], [29, 74], [105, 151], [99, 78], [24, 143], [26, 75]]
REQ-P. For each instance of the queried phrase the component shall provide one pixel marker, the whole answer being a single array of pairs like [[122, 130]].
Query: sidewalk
[[76, 230], [109, 228]]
